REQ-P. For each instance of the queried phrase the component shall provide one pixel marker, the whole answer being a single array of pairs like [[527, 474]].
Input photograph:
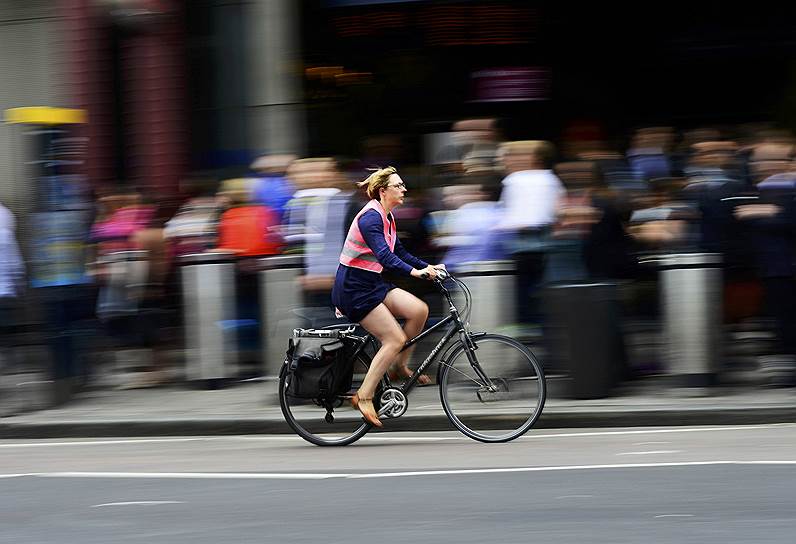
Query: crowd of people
[[582, 209]]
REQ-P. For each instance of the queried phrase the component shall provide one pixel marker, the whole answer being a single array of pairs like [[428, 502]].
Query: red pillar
[[154, 72], [88, 77]]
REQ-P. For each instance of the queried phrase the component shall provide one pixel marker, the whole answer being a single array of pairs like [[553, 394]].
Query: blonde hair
[[378, 179]]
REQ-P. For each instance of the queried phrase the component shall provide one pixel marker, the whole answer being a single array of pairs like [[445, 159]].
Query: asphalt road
[[683, 484]]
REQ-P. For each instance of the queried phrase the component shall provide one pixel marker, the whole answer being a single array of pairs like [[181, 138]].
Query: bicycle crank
[[393, 403]]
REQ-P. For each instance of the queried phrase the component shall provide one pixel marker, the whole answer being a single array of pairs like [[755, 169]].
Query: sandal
[[369, 415], [396, 374]]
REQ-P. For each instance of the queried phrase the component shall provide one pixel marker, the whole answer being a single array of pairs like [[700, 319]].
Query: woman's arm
[[372, 229], [407, 257]]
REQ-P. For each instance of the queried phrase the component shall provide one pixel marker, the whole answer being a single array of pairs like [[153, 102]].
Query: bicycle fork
[[469, 350]]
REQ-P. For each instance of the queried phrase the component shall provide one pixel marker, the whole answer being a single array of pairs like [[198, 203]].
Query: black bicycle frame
[[459, 328]]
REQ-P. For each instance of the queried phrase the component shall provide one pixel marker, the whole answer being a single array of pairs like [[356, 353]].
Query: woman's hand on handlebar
[[442, 272], [427, 273]]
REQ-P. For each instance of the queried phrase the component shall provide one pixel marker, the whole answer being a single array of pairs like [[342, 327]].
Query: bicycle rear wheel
[[497, 399], [308, 418]]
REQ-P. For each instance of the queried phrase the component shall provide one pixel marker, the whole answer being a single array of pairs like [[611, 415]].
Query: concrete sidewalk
[[252, 408]]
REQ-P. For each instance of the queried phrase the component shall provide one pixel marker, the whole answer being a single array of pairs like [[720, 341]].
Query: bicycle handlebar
[[442, 275]]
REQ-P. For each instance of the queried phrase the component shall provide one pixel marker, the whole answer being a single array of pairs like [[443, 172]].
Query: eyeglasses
[[398, 185]]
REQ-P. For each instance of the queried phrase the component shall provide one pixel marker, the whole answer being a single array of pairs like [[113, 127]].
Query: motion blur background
[[160, 157]]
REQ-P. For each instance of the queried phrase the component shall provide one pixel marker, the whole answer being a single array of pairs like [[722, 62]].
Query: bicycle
[[477, 371]]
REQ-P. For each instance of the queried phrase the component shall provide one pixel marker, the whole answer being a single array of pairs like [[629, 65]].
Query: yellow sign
[[44, 115]]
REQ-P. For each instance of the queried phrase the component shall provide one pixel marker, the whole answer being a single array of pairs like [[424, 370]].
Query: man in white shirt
[[529, 200], [531, 191]]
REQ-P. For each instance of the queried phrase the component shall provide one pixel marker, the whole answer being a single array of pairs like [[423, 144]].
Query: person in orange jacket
[[246, 228]]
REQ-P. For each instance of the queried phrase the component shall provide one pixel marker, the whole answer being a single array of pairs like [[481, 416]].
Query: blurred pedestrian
[[194, 228], [272, 188], [575, 218], [609, 252], [648, 155], [470, 137], [529, 201], [613, 167], [247, 229], [771, 220], [130, 253], [122, 214], [326, 224], [149, 320], [663, 220], [305, 214], [709, 182], [465, 232]]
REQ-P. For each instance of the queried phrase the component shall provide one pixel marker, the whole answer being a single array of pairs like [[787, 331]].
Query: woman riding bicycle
[[362, 295]]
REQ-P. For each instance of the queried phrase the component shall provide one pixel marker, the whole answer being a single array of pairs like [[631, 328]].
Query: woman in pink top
[[362, 295]]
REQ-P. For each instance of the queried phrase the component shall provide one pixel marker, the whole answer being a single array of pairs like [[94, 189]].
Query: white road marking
[[268, 438], [358, 476], [384, 437], [659, 431], [137, 503], [649, 443], [100, 442], [771, 462], [530, 469], [654, 452], [532, 436], [196, 475], [675, 516]]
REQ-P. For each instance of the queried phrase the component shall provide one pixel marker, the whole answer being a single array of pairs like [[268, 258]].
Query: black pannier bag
[[320, 366]]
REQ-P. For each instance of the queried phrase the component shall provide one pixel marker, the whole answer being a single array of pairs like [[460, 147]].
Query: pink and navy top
[[371, 246], [372, 243]]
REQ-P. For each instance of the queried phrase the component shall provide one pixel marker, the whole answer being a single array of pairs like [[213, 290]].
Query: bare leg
[[415, 312], [381, 324]]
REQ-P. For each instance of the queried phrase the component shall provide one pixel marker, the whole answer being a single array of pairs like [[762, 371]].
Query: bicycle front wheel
[[496, 397], [313, 422]]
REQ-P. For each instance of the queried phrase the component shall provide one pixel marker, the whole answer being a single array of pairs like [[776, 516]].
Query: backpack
[[319, 364]]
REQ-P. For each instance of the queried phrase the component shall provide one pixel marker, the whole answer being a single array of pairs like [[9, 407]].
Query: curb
[[419, 422]]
